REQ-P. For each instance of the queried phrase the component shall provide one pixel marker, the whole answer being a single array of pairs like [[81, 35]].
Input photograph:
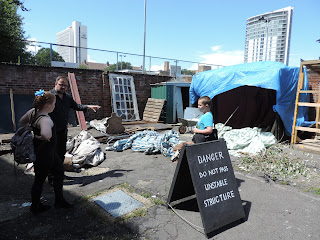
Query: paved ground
[[272, 211]]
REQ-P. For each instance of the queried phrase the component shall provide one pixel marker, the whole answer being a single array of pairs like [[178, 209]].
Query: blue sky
[[207, 31]]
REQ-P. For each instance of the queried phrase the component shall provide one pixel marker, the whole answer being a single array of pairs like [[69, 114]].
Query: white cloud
[[216, 48], [157, 67], [33, 47], [221, 57], [89, 59]]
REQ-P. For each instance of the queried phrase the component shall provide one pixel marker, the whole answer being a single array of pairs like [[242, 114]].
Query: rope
[[190, 223]]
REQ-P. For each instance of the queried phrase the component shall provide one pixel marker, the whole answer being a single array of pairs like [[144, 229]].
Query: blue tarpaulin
[[268, 74]]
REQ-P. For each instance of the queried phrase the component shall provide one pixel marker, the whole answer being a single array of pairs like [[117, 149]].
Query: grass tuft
[[275, 164]]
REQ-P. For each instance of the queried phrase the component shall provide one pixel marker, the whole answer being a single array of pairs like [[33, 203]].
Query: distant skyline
[[201, 31]]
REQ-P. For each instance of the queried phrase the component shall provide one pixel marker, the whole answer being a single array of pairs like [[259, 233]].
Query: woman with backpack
[[44, 146]]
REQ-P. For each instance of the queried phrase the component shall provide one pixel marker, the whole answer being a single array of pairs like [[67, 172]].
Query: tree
[[187, 72], [83, 66], [113, 67], [43, 57], [12, 40]]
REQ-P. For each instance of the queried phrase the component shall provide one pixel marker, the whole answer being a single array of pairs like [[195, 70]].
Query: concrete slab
[[118, 203]]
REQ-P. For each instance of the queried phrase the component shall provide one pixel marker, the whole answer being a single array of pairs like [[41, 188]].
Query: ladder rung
[[307, 104], [306, 129], [309, 91], [310, 62]]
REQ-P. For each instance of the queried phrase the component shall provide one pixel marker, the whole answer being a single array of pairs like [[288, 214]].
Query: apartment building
[[75, 36], [268, 36]]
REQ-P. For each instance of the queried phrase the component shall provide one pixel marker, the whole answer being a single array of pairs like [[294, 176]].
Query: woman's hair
[[40, 101]]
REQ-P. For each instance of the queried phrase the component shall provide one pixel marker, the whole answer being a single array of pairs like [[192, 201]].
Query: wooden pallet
[[153, 110]]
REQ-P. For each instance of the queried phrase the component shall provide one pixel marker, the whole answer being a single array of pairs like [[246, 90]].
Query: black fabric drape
[[255, 107]]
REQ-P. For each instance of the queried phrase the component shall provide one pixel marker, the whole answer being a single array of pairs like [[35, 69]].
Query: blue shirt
[[206, 120]]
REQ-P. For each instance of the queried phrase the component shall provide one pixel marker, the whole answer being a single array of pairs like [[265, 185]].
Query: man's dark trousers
[[61, 143]]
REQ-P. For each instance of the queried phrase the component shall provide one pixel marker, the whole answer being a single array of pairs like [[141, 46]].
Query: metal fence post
[[50, 54], [150, 65], [117, 62], [176, 67]]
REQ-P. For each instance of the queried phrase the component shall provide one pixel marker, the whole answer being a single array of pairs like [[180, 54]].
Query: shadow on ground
[[84, 221]]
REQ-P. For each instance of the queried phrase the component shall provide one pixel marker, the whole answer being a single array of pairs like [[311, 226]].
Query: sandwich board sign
[[205, 169]]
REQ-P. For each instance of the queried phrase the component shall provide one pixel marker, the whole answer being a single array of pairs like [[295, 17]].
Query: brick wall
[[314, 84], [93, 85], [26, 79]]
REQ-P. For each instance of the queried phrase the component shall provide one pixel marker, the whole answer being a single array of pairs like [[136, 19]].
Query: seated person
[[204, 128]]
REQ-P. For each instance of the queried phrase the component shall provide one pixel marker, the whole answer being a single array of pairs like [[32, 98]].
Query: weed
[[275, 164], [138, 213], [146, 195], [126, 186], [158, 201], [314, 190]]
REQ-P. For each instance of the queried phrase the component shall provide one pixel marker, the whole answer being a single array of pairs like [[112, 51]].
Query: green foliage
[[276, 165], [187, 72], [315, 190], [113, 67], [12, 44], [146, 195], [141, 212], [43, 57], [83, 66], [158, 201]]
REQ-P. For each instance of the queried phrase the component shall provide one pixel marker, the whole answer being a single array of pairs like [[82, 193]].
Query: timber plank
[[76, 97], [153, 109], [308, 104], [307, 129]]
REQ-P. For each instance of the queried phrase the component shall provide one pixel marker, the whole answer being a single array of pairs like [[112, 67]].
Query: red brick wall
[[26, 79], [93, 85], [314, 84]]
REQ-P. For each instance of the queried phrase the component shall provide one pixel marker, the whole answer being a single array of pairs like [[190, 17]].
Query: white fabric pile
[[85, 150], [99, 124], [245, 140]]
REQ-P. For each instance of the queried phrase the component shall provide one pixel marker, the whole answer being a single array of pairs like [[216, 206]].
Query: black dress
[[47, 161]]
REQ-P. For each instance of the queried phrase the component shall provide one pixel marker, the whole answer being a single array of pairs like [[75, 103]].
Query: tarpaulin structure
[[250, 81]]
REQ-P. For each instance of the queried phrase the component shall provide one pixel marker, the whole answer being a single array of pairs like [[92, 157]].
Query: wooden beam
[[307, 104], [309, 91], [306, 129], [13, 116], [310, 62], [76, 97]]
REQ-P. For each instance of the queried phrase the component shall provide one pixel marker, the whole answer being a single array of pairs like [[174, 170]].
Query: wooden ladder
[[314, 66]]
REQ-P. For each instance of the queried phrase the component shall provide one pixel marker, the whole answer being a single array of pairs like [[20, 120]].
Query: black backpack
[[22, 143]]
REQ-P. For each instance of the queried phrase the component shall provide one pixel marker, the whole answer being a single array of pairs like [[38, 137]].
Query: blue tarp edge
[[268, 74]]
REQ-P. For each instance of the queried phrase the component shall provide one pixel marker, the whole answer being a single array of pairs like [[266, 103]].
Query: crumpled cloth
[[85, 150], [100, 125], [245, 140], [149, 142]]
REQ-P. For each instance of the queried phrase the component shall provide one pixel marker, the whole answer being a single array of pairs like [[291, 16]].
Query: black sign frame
[[205, 169]]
